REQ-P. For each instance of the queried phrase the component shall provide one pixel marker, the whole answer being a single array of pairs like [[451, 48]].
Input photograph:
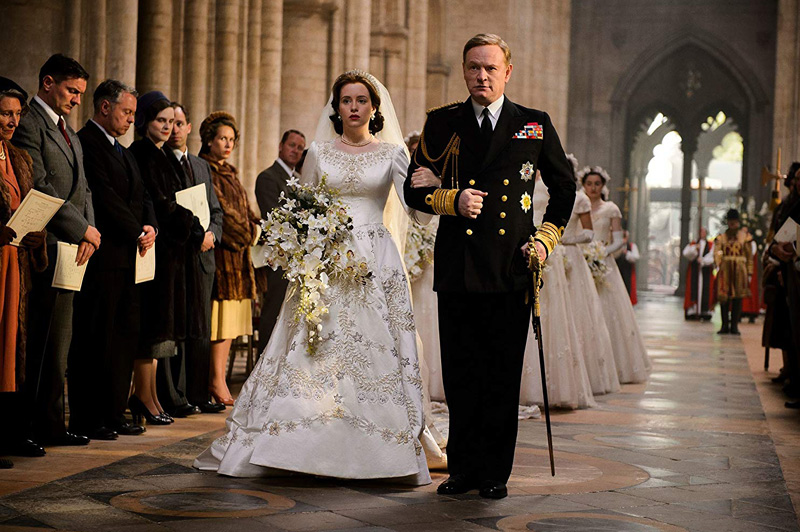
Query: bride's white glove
[[584, 236], [617, 243]]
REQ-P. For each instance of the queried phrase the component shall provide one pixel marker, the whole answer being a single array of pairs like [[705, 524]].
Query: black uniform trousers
[[49, 337], [482, 338], [271, 303], [104, 344]]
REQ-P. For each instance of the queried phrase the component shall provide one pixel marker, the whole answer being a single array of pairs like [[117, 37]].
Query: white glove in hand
[[617, 242], [584, 236]]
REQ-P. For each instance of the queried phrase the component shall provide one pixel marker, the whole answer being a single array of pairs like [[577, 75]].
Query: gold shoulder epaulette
[[433, 109]]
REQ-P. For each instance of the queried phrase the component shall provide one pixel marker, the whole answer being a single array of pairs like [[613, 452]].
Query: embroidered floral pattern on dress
[[352, 165]]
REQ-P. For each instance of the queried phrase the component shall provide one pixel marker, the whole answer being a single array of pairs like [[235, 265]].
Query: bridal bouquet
[[419, 248], [595, 254], [308, 236]]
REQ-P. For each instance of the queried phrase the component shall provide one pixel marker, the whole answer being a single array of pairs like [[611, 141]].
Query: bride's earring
[[372, 117]]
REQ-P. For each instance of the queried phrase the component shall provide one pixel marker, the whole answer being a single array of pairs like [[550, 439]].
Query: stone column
[[357, 34], [415, 84], [94, 49], [269, 95], [226, 60], [305, 63], [438, 71], [689, 147], [787, 82], [195, 68], [121, 46], [248, 115], [154, 51]]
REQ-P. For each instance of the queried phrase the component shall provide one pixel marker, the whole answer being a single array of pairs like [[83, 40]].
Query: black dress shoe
[[102, 433], [491, 489], [456, 485], [129, 429], [185, 411], [22, 448], [724, 331], [211, 408], [5, 463], [67, 440], [736, 332]]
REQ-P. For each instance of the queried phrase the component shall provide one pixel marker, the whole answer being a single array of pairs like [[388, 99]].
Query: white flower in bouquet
[[595, 254], [308, 236], [420, 240]]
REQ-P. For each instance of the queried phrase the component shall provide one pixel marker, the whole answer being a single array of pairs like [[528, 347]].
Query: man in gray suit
[[183, 379], [57, 171], [269, 185]]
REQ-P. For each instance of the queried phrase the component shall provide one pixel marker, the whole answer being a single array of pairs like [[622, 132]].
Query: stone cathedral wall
[[271, 62]]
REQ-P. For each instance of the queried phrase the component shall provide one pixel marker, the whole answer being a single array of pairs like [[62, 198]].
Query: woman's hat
[[143, 104], [9, 85]]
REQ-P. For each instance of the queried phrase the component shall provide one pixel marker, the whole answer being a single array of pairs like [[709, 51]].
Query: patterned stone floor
[[691, 450]]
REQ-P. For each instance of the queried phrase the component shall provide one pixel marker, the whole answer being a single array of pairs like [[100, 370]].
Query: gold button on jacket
[[469, 232]]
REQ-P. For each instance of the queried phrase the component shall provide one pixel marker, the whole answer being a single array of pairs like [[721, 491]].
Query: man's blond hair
[[487, 39]]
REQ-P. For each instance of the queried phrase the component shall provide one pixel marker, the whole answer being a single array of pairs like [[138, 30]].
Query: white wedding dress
[[630, 355], [585, 306], [568, 384], [354, 409]]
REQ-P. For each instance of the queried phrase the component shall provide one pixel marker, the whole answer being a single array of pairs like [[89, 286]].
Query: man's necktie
[[63, 129], [486, 127], [117, 146], [187, 169]]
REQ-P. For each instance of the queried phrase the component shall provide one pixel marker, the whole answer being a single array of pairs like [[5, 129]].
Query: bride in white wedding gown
[[632, 360], [353, 409]]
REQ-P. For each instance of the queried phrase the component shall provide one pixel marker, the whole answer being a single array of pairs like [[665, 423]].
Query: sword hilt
[[535, 266]]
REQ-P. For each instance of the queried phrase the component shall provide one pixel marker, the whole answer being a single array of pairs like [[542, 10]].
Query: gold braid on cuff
[[549, 235], [443, 201]]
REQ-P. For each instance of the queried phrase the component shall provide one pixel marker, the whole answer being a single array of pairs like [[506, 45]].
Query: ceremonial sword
[[535, 266]]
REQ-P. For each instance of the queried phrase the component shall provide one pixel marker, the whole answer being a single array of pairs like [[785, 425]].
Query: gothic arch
[[716, 78]]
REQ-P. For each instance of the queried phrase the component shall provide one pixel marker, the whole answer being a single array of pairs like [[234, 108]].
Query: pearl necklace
[[357, 144]]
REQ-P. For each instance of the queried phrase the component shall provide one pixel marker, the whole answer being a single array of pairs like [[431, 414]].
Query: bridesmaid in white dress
[[633, 363], [568, 384], [354, 409]]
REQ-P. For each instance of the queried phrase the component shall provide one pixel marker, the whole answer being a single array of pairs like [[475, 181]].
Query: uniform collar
[[494, 108]]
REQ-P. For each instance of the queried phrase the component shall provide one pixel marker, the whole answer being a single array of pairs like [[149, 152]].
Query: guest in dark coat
[[235, 283], [183, 379], [270, 184], [105, 338], [57, 171], [16, 264], [163, 299]]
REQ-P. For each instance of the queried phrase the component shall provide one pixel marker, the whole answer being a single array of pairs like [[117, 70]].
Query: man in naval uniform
[[486, 151]]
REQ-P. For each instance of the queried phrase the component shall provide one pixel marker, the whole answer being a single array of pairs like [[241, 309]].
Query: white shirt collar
[[111, 139], [285, 166], [180, 154], [55, 117], [494, 109]]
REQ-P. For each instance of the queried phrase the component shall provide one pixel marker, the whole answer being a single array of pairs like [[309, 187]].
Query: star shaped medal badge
[[526, 172], [525, 202]]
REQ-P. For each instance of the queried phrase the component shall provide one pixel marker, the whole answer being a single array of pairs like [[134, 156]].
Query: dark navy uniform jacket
[[484, 254]]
